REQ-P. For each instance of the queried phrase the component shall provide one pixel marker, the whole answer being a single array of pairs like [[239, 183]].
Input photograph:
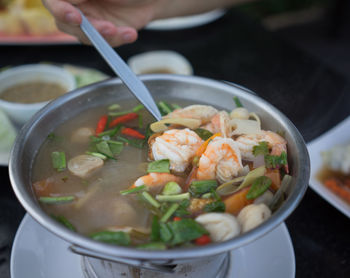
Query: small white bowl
[[19, 113], [163, 61]]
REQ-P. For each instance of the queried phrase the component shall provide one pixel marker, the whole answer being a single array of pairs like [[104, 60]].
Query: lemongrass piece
[[278, 195], [229, 187], [252, 176], [254, 116], [245, 126], [161, 125]]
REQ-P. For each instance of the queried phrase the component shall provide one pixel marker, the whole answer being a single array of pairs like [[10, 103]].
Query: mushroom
[[252, 216], [221, 226], [239, 113], [265, 198], [82, 135], [83, 165]]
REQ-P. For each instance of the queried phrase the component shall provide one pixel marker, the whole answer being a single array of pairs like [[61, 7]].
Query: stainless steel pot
[[195, 89]]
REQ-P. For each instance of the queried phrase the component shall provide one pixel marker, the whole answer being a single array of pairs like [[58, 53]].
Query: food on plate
[[26, 17], [335, 174], [187, 180]]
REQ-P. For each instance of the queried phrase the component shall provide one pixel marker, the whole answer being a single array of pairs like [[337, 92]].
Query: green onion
[[169, 212], [132, 142], [217, 206], [99, 155], [133, 190], [165, 233], [64, 221], [159, 166], [58, 161], [148, 197], [259, 186], [148, 132], [155, 229], [172, 188], [237, 102], [173, 198], [198, 188], [121, 113], [110, 132], [152, 246], [57, 200], [119, 238], [203, 133], [140, 121], [165, 107], [182, 210], [114, 107]]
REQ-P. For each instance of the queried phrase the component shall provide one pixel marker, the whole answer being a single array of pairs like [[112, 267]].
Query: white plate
[[185, 21], [340, 134], [37, 253]]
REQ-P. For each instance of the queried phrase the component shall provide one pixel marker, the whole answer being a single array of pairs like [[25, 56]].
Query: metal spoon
[[116, 63]]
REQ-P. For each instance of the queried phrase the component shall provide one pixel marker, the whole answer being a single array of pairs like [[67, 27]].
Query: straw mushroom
[[83, 165], [221, 226], [253, 215]]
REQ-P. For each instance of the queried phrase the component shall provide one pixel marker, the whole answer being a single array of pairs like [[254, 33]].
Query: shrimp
[[221, 160], [201, 112], [246, 142], [177, 145], [156, 181], [220, 123]]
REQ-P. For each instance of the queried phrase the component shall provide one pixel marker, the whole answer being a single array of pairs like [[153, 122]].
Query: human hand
[[116, 20]]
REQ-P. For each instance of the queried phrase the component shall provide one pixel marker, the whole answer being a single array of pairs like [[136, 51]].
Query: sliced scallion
[[173, 198], [58, 161], [169, 212], [99, 155], [64, 221], [259, 186], [165, 107], [237, 101], [56, 200], [133, 190], [148, 197], [119, 238], [152, 246]]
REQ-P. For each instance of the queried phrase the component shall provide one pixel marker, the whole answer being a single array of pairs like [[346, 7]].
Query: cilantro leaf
[[261, 149], [275, 161]]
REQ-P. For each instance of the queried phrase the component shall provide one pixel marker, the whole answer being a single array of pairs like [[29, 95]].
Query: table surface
[[238, 50]]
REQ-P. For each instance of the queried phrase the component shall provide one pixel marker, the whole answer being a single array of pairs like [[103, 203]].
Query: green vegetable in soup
[[217, 206], [148, 197], [59, 161], [169, 213], [237, 102], [119, 238], [152, 246], [259, 186], [182, 210], [261, 149], [135, 109], [133, 190], [64, 221], [185, 230], [165, 233], [173, 198], [275, 161], [57, 200], [203, 133], [137, 143], [197, 188], [171, 188], [155, 229], [99, 155], [111, 132], [159, 166], [164, 108]]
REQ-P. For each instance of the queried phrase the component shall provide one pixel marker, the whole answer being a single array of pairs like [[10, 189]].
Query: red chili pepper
[[176, 218], [123, 119], [101, 125], [203, 240], [132, 133]]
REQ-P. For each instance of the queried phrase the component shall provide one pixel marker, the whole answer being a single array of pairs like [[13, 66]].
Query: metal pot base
[[95, 268]]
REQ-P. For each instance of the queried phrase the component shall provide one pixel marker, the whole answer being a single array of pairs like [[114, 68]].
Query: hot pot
[[207, 261]]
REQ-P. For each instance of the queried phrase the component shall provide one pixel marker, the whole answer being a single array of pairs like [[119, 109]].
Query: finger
[[64, 11]]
